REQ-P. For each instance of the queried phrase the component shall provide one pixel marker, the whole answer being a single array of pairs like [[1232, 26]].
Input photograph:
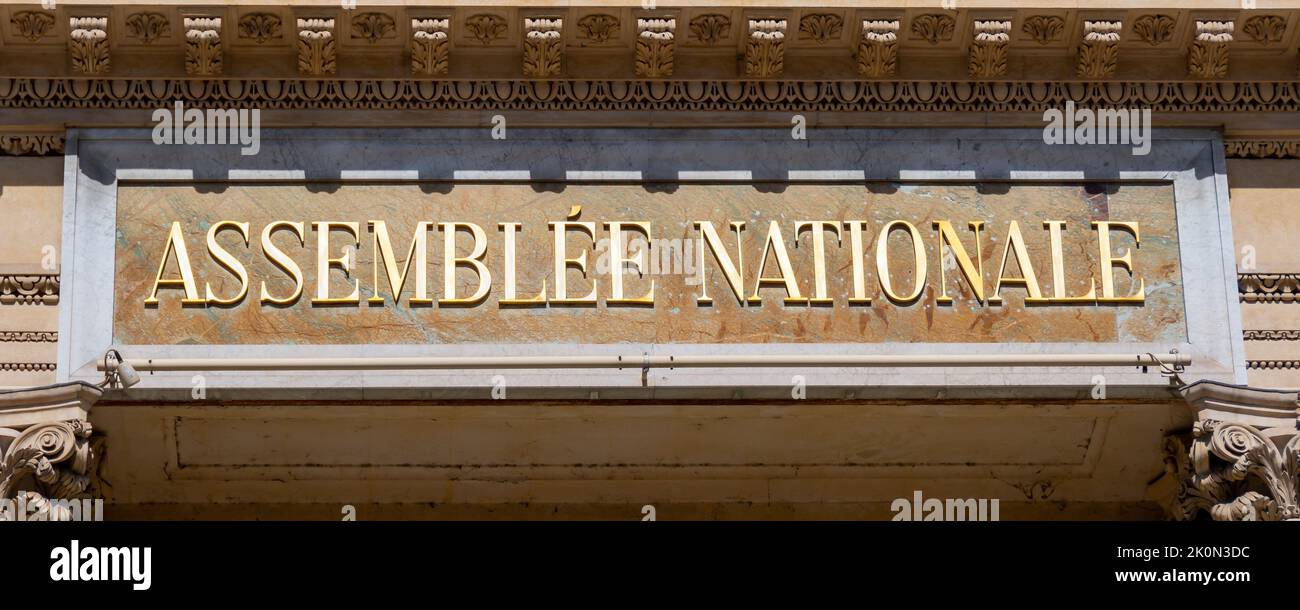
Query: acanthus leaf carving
[[878, 49], [203, 54], [543, 49], [1265, 29], [316, 47], [711, 28], [821, 27], [373, 27], [259, 27], [988, 50], [1154, 29], [1044, 28], [486, 27], [765, 48], [598, 28], [655, 44], [88, 44], [147, 27], [1099, 51], [33, 25], [430, 54], [1208, 55], [934, 28], [51, 461]]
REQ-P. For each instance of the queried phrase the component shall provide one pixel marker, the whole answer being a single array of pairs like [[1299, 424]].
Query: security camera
[[120, 373]]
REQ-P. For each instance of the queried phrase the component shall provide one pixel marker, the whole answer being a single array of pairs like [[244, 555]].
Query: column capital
[[48, 450], [1240, 460]]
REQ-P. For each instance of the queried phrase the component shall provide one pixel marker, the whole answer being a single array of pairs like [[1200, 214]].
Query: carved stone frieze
[[634, 94], [711, 28], [203, 54], [655, 44], [878, 49], [31, 144], [1268, 365], [1262, 149], [765, 48], [430, 53], [543, 49], [1241, 461], [1208, 55], [33, 25], [88, 45], [988, 50], [1269, 287], [29, 289], [147, 26], [29, 336], [259, 27], [316, 47], [1271, 335], [1098, 55]]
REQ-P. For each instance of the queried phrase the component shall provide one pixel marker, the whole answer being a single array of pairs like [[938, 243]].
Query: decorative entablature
[[1196, 40]]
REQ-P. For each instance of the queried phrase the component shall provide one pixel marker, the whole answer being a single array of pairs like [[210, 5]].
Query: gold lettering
[[324, 263], [418, 252], [918, 262], [818, 228], [510, 297], [619, 251], [735, 276], [283, 261], [1109, 262], [1054, 228], [474, 261], [562, 264], [176, 246], [856, 228], [776, 245], [974, 273], [1016, 245], [227, 262]]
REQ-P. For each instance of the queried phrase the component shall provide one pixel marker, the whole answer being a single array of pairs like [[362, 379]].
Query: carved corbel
[[88, 44], [765, 48], [655, 43], [48, 452], [1099, 51], [430, 55], [316, 47], [1241, 461], [203, 46], [543, 48], [988, 50], [1208, 56], [878, 49]]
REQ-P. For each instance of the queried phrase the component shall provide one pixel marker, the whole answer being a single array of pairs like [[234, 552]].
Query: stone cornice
[[799, 41]]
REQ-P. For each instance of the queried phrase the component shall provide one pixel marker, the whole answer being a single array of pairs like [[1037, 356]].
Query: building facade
[[612, 260]]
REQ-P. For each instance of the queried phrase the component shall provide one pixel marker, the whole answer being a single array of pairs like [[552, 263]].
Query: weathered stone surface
[[145, 214]]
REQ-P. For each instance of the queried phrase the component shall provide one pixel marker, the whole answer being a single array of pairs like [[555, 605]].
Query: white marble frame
[[1192, 160]]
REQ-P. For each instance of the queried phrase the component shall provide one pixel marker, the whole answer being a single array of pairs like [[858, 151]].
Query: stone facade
[[1204, 441]]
